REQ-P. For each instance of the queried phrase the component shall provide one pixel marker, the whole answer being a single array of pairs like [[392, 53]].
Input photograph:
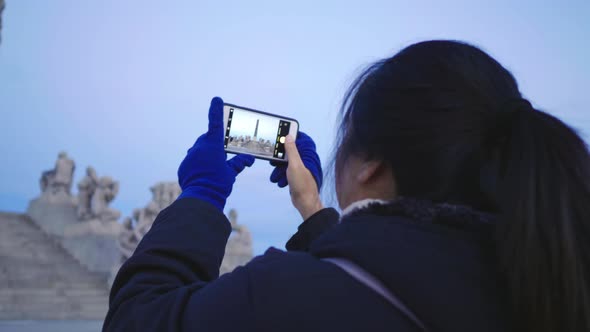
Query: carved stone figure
[[239, 246], [126, 243], [105, 192], [233, 217], [238, 250], [58, 180], [86, 188], [171, 192], [145, 218], [136, 226], [242, 237], [94, 242]]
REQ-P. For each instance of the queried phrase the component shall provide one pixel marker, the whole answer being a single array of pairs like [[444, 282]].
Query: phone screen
[[256, 133]]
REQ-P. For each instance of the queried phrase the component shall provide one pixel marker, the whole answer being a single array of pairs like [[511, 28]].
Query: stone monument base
[[93, 243], [53, 214]]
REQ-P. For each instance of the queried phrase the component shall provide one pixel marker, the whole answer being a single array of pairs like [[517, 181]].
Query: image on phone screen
[[256, 133]]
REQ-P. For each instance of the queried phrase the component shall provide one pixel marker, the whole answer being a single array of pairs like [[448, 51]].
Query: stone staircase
[[40, 280]]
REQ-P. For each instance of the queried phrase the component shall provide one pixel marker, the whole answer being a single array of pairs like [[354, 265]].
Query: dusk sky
[[125, 86]]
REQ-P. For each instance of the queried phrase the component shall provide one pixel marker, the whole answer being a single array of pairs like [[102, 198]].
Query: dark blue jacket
[[446, 275]]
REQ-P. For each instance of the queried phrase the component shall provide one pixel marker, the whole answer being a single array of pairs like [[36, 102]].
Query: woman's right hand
[[303, 174]]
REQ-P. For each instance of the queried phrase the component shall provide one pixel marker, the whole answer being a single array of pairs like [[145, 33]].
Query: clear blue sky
[[125, 85]]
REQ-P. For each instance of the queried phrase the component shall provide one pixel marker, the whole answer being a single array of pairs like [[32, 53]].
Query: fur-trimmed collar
[[423, 211], [362, 204]]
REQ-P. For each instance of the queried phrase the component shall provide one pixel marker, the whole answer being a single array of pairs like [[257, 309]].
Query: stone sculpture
[[238, 250], [101, 243], [94, 196], [239, 246], [86, 188], [136, 226], [105, 192], [58, 181], [241, 234], [94, 242]]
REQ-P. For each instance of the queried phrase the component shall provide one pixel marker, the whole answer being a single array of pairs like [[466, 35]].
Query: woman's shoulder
[[274, 258]]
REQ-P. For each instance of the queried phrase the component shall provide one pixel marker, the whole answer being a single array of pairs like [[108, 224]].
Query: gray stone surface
[[51, 326], [238, 250], [88, 232], [58, 181], [97, 252], [53, 215], [93, 243], [86, 188], [57, 260], [105, 192], [136, 226], [41, 280]]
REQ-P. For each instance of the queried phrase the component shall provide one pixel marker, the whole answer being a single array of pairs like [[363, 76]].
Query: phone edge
[[265, 113]]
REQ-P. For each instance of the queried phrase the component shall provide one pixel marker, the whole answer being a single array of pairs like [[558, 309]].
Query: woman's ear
[[376, 179], [369, 171]]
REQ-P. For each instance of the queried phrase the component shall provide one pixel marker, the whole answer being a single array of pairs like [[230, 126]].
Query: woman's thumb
[[293, 157]]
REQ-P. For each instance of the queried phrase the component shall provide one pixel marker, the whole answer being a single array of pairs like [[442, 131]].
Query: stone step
[[40, 280], [58, 310], [52, 282], [50, 301], [53, 316], [12, 264], [93, 325], [54, 303], [28, 266], [56, 284], [68, 272], [41, 292], [41, 256]]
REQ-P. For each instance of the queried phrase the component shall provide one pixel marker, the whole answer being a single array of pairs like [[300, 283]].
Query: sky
[[244, 123], [125, 86]]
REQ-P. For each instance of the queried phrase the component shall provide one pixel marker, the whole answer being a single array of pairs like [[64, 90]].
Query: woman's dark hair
[[452, 124]]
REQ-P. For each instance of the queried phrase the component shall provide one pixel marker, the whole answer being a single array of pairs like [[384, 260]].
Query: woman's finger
[[278, 173], [239, 162], [293, 157], [216, 119], [282, 183]]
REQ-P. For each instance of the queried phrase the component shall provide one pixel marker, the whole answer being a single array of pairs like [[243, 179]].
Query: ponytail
[[543, 235], [433, 113]]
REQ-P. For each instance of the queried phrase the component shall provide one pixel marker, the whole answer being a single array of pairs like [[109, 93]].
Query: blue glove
[[310, 158], [205, 173]]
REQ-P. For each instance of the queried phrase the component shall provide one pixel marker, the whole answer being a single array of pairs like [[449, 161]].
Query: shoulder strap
[[367, 279]]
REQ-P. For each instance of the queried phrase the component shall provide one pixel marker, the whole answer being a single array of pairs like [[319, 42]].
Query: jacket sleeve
[[171, 282], [312, 228]]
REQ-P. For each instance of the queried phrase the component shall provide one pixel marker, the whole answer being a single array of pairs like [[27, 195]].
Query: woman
[[467, 204]]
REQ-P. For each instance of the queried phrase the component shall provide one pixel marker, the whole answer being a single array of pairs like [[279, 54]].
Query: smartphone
[[257, 133]]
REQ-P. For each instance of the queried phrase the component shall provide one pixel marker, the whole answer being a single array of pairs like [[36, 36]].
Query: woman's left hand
[[205, 173], [303, 174]]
